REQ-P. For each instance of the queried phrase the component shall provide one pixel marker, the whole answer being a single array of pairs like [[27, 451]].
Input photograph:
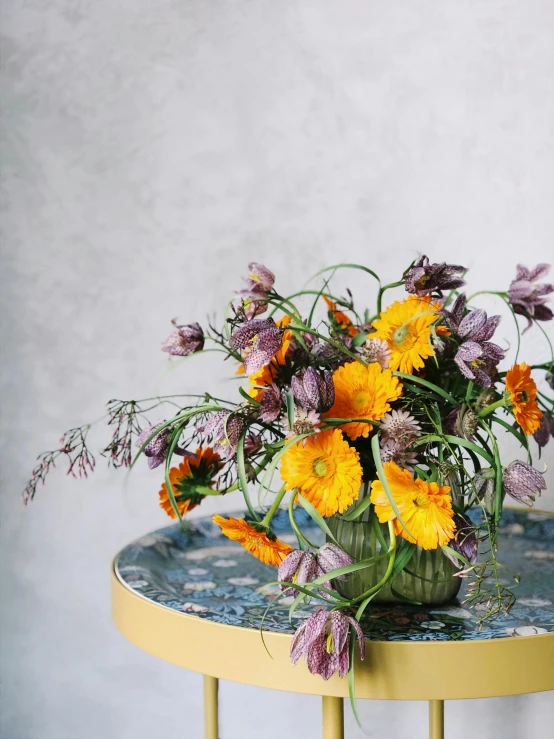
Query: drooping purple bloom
[[331, 557], [477, 357], [545, 431], [424, 278], [225, 429], [261, 338], [464, 541], [462, 422], [271, 403], [484, 483], [188, 338], [156, 449], [297, 567], [527, 297], [258, 283], [252, 444], [323, 639], [523, 482], [312, 391]]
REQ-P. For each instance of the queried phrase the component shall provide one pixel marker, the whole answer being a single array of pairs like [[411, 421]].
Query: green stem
[[299, 535], [487, 292], [382, 292], [388, 573], [274, 506], [492, 407], [469, 390]]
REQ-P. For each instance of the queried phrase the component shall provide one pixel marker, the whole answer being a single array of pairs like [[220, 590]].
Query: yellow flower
[[523, 396], [363, 392], [406, 327], [325, 469], [425, 508], [191, 473], [259, 542]]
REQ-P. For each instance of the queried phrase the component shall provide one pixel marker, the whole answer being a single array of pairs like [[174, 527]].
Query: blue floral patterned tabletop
[[203, 574]]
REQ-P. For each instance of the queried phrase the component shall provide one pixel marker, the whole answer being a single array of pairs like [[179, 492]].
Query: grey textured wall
[[150, 150]]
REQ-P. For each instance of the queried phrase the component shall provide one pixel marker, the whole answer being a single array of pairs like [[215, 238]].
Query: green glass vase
[[428, 578]]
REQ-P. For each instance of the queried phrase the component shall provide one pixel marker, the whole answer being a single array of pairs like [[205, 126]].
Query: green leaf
[[351, 677], [362, 564], [289, 397], [457, 441], [425, 383], [456, 555], [316, 516], [346, 266], [381, 475], [359, 339], [358, 508], [241, 471], [403, 557], [248, 398]]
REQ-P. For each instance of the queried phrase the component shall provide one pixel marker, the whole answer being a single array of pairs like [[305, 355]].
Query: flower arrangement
[[387, 419]]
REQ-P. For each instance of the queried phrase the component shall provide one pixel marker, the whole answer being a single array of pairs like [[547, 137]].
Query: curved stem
[[388, 573], [492, 407], [382, 292], [274, 506]]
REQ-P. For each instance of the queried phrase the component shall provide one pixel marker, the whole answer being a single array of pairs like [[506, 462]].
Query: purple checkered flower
[[545, 431], [527, 296], [298, 567], [424, 278], [464, 541], [331, 557], [187, 339], [477, 357], [312, 391], [262, 339], [271, 403], [258, 283], [156, 449], [523, 482], [323, 639], [225, 429]]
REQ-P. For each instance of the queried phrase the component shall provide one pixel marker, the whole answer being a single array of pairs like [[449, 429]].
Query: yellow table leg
[[210, 707], [436, 719], [333, 718]]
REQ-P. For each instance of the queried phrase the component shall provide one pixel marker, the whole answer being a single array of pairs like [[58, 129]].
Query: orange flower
[[523, 397], [341, 318], [192, 473], [406, 327], [325, 469], [426, 508], [260, 542], [363, 392]]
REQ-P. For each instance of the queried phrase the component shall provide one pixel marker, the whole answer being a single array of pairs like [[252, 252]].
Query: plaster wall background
[[149, 152]]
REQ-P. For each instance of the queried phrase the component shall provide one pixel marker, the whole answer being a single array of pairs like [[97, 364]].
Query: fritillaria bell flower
[[187, 339], [298, 567], [323, 639], [270, 403], [545, 431], [156, 449], [527, 296], [464, 541], [225, 429], [477, 357], [523, 482], [313, 391], [259, 283], [424, 278], [261, 338], [331, 557]]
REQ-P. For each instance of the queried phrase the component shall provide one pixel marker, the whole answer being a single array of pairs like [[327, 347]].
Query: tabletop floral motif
[[232, 588]]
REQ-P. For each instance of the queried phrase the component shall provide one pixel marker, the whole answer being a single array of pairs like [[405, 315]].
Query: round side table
[[197, 600]]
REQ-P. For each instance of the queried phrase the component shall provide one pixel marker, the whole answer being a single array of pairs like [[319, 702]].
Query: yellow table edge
[[391, 670]]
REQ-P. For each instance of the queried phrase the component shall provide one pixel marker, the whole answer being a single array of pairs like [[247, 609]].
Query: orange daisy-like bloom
[[193, 472], [425, 507], [341, 318], [406, 327], [363, 392], [261, 543], [523, 397], [325, 469]]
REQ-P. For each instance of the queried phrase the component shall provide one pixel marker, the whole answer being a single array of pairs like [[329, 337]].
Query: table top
[[212, 595]]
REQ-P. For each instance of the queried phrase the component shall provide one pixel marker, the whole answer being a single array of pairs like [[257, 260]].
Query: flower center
[[319, 467], [361, 399], [522, 397], [477, 362], [401, 334], [330, 645], [422, 500]]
